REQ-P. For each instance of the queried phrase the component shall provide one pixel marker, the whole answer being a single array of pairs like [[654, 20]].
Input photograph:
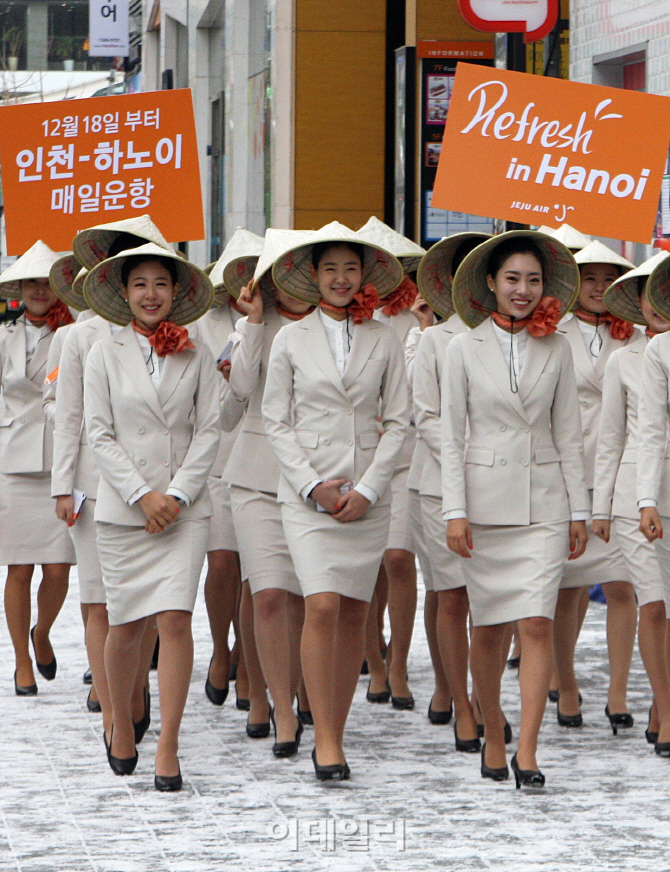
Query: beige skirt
[[663, 553], [332, 557], [641, 561], [446, 567], [89, 571], [420, 540], [221, 527], [264, 554], [515, 572], [600, 563], [400, 530], [30, 532], [146, 574]]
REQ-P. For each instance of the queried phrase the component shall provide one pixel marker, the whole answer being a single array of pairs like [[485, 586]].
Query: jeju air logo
[[534, 18]]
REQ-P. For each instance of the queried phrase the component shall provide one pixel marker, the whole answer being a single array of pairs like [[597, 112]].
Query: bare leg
[[122, 654], [376, 665], [401, 572], [17, 613], [452, 630], [621, 629], [348, 649], [175, 666], [534, 674], [566, 624], [258, 713], [97, 627], [382, 590], [318, 649], [221, 587], [303, 698], [485, 655], [584, 602], [142, 679], [50, 598], [651, 639], [442, 696]]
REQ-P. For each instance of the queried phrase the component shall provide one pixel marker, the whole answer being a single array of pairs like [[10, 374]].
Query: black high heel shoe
[[304, 715], [88, 678], [569, 720], [168, 783], [382, 697], [145, 721], [662, 749], [24, 689], [623, 720], [526, 777], [553, 696], [286, 749], [119, 765], [216, 695], [440, 717], [242, 704], [46, 670], [260, 730], [93, 705], [402, 703], [651, 737], [333, 772], [507, 732], [466, 746], [500, 774]]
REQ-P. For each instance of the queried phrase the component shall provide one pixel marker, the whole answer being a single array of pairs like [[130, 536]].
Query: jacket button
[[350, 441], [526, 429], [326, 441], [165, 463], [325, 412], [502, 428], [141, 431], [524, 463], [142, 461], [350, 411], [165, 431], [586, 432], [503, 462]]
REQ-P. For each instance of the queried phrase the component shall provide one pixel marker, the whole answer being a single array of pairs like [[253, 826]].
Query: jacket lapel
[[16, 347], [491, 355], [316, 343], [537, 355], [132, 360], [366, 336], [35, 369], [173, 369], [609, 346], [580, 355]]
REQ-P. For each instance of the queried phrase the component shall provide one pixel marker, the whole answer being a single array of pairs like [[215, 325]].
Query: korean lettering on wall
[[77, 163]]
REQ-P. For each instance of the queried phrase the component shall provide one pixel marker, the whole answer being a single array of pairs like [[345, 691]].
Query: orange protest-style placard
[[544, 151], [70, 164]]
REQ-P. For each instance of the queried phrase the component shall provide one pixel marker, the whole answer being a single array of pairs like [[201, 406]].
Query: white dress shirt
[[592, 342], [339, 340]]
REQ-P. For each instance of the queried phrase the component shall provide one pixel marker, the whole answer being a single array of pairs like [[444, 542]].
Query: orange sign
[[71, 164], [534, 18], [544, 151], [433, 48]]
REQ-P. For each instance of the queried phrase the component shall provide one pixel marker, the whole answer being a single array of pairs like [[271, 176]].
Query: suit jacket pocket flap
[[6, 422], [369, 439], [546, 455], [307, 438], [480, 456]]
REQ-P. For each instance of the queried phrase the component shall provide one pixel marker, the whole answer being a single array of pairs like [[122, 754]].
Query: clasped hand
[[343, 507], [159, 509]]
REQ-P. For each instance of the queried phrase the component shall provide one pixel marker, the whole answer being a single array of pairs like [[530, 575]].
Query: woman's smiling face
[[339, 275], [37, 296], [517, 285], [595, 279], [150, 292]]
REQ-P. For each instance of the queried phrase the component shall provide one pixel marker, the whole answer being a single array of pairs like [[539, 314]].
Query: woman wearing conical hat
[[222, 584], [328, 378], [30, 533], [594, 335], [615, 508], [271, 610], [152, 411], [398, 570], [514, 496]]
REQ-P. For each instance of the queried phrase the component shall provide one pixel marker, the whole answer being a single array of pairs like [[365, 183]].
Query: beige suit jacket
[[52, 373], [614, 494], [26, 443], [143, 436], [252, 463], [73, 462], [428, 368], [524, 461], [322, 426], [402, 325], [589, 385], [653, 457]]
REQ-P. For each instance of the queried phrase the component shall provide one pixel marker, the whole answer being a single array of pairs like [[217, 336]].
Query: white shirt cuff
[[595, 518], [454, 514], [580, 516], [369, 493], [180, 495], [307, 490], [139, 493], [647, 504]]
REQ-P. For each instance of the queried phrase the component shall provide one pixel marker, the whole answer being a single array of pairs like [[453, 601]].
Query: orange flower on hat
[[402, 298], [364, 303]]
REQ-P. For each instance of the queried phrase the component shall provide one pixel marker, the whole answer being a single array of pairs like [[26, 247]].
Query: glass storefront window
[[12, 36]]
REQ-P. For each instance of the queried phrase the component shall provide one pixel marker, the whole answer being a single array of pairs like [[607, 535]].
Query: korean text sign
[[71, 164], [543, 151]]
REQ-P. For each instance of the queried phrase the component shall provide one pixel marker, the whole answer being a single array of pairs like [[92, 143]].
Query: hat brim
[[62, 278], [103, 288], [435, 270], [292, 271], [622, 298], [658, 289], [472, 298]]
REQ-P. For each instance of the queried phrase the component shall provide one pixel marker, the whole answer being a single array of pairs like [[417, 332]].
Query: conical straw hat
[[275, 244], [235, 268], [658, 288], [435, 271], [622, 298], [569, 236], [92, 245], [292, 272], [62, 277], [408, 252], [102, 287], [597, 252], [36, 263], [474, 301]]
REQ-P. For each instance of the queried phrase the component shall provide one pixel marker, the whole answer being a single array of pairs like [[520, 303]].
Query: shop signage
[[534, 18], [108, 28]]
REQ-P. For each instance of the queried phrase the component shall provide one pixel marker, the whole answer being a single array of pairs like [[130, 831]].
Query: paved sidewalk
[[413, 803]]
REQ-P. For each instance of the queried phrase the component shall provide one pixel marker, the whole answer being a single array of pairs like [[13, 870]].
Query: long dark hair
[[510, 247], [137, 259]]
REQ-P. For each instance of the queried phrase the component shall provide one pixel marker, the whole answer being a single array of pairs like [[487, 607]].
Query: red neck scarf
[[402, 298], [542, 322], [293, 316], [619, 329], [168, 338], [650, 333], [361, 308], [58, 316]]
